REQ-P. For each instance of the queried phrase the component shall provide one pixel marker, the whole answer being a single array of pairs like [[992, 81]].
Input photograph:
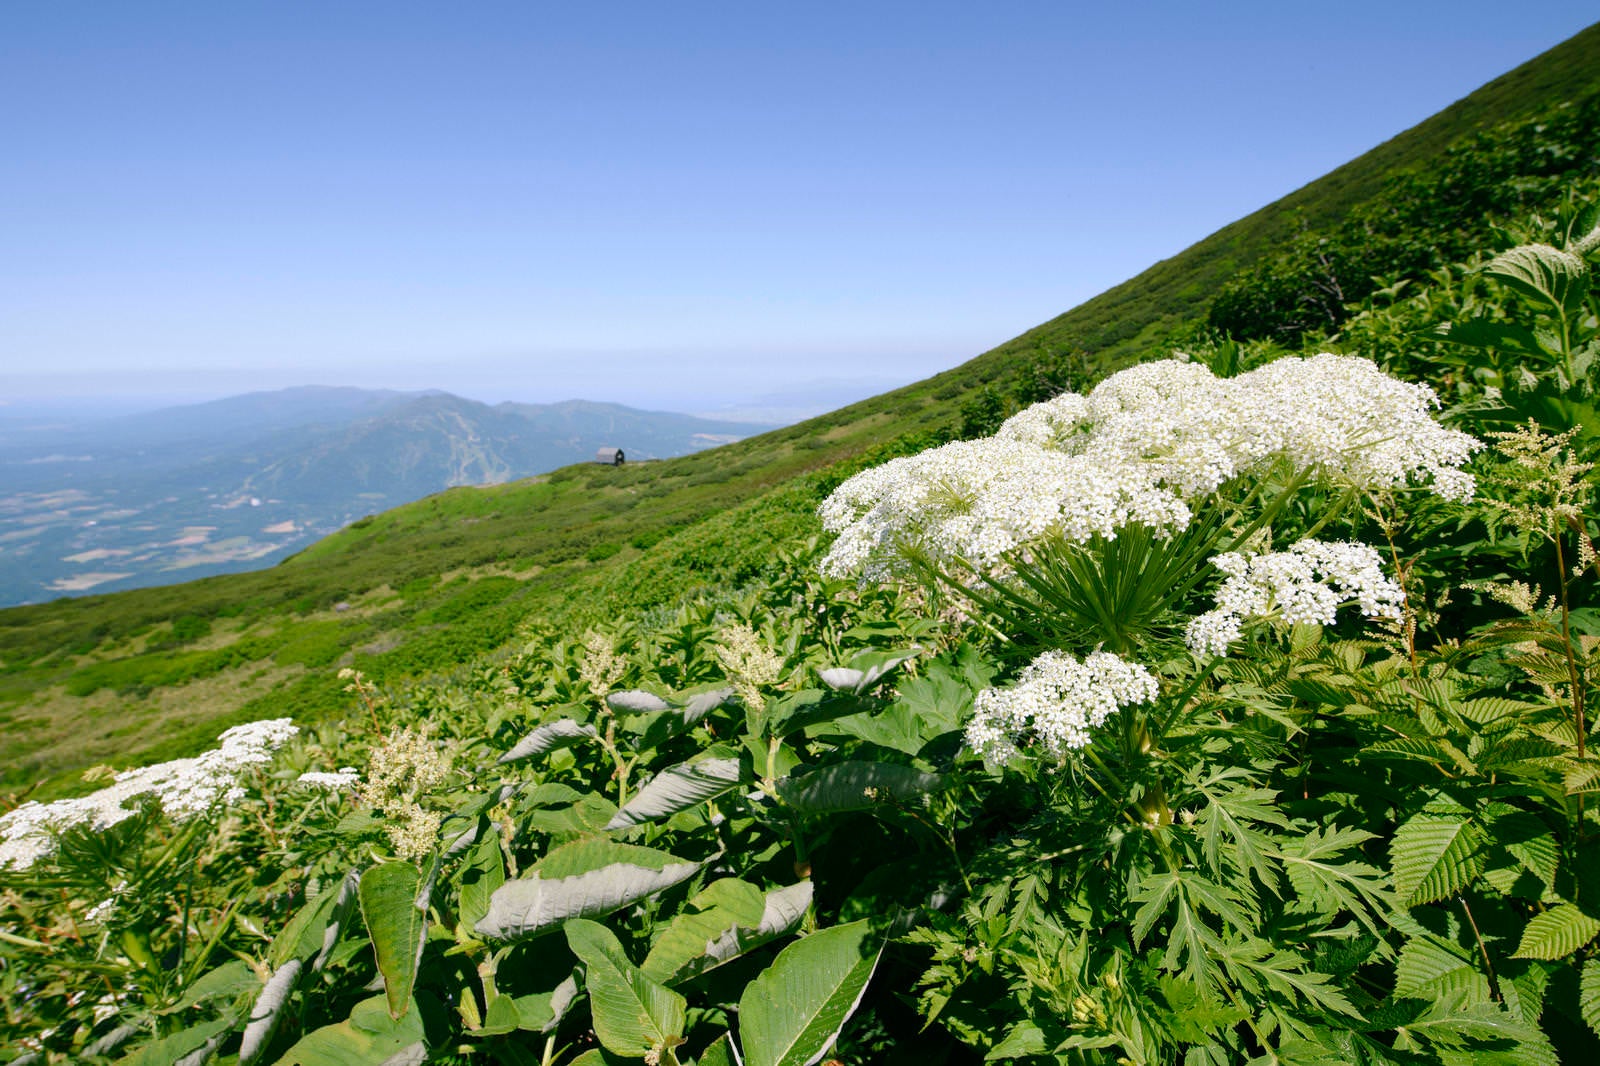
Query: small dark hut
[[609, 456]]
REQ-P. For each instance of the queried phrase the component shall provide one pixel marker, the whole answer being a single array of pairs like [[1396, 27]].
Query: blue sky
[[675, 205]]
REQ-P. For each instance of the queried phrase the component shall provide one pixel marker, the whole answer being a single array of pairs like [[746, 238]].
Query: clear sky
[[665, 204]]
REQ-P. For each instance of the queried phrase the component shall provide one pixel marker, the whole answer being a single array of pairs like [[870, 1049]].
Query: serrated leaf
[[266, 1011], [1435, 857], [562, 733], [1428, 966], [853, 786], [397, 921], [369, 1037], [1556, 933], [632, 1015], [583, 879], [1548, 275], [678, 788], [791, 1014], [1589, 995], [729, 926]]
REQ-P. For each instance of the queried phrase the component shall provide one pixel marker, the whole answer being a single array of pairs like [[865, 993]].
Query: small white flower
[[345, 779], [1055, 702]]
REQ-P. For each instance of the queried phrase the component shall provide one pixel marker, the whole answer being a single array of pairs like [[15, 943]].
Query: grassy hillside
[[426, 587]]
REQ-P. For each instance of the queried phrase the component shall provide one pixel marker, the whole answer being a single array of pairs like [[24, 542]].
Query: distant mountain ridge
[[240, 482]]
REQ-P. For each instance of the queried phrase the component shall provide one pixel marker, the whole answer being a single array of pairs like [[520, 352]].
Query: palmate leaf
[[1434, 856], [1548, 275], [1185, 895], [584, 879], [791, 1014], [1556, 933], [1349, 885], [632, 1014], [1230, 810], [1256, 963]]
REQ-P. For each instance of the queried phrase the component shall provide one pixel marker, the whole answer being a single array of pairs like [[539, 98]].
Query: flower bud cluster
[[185, 788], [1305, 584], [1055, 702], [1140, 447]]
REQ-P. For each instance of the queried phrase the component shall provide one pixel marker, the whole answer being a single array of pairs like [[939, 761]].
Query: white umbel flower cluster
[[1055, 702], [1305, 584], [1140, 447], [185, 789], [344, 779]]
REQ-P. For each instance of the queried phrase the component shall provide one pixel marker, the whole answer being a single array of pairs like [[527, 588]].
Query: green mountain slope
[[426, 587]]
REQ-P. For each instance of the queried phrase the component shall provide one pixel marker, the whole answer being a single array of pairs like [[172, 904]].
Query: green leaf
[[316, 926], [169, 1050], [1434, 857], [865, 670], [562, 733], [793, 1011], [1429, 966], [583, 879], [1556, 933], [542, 1012], [733, 918], [718, 1053], [678, 788], [266, 1011], [369, 1037], [1589, 994], [232, 978], [1024, 1040], [1485, 333], [1548, 275], [854, 786], [480, 875], [632, 1014], [397, 921]]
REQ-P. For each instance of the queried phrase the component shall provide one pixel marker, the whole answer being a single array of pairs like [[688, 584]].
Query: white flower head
[[1305, 584], [1056, 702]]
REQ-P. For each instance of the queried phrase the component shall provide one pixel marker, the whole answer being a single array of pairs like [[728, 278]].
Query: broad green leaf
[[1589, 994], [232, 978], [266, 1011], [636, 701], [315, 925], [369, 1037], [852, 786], [502, 1016], [1485, 333], [562, 733], [632, 1015], [678, 788], [865, 670], [583, 879], [1556, 933], [1555, 278], [397, 921], [1024, 1040], [808, 707], [781, 914], [542, 1012], [718, 1053], [479, 877], [175, 1048], [1434, 857], [1429, 966], [724, 905], [791, 1014]]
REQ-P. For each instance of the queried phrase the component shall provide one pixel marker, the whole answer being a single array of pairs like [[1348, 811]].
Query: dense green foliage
[[555, 536]]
